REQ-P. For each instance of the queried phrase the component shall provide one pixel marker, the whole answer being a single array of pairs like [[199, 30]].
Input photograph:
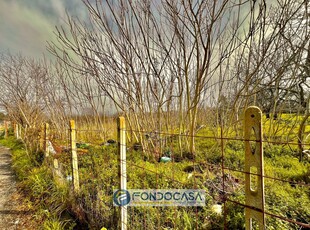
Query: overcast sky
[[26, 25]]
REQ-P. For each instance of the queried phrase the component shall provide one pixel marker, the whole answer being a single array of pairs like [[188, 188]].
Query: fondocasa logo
[[121, 197]]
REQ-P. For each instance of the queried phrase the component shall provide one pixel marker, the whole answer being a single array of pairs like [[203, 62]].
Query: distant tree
[[282, 82], [21, 94], [269, 70]]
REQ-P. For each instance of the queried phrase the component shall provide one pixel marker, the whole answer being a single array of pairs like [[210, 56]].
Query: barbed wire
[[216, 137]]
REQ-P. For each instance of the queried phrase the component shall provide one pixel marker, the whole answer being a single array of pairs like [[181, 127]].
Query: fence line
[[247, 206], [217, 138], [254, 206]]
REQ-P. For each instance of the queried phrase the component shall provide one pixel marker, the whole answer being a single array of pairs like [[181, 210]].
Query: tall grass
[[48, 201]]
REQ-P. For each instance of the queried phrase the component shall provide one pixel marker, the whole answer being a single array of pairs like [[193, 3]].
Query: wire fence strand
[[224, 183]]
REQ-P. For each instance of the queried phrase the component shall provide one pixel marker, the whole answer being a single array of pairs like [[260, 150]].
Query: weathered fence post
[[16, 128], [254, 169], [46, 138], [42, 138], [122, 159], [20, 133], [58, 176], [74, 159]]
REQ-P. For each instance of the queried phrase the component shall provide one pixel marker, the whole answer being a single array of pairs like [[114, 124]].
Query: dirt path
[[12, 213]]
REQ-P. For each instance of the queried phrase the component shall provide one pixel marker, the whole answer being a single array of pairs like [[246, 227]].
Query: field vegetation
[[286, 182], [182, 73]]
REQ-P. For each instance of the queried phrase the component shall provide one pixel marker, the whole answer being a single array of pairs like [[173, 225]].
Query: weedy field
[[287, 194], [183, 74], [200, 171]]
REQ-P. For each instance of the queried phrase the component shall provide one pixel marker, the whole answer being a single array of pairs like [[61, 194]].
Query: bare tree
[[152, 57], [21, 94], [266, 70], [155, 59]]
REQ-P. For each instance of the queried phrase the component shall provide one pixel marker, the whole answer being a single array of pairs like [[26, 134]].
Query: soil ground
[[13, 213]]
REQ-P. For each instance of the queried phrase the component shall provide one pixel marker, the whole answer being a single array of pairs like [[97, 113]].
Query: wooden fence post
[[74, 159], [46, 138], [42, 138], [122, 159], [16, 128], [254, 169], [58, 176]]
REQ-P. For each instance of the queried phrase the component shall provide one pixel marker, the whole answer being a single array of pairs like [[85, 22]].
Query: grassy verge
[[48, 201]]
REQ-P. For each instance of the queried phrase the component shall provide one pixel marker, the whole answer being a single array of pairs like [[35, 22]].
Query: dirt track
[[12, 215]]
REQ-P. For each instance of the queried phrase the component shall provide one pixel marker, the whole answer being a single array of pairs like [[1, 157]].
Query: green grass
[[98, 172], [47, 200]]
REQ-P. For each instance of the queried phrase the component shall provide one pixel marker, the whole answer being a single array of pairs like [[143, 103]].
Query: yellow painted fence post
[[123, 171], [74, 159], [17, 134], [254, 168]]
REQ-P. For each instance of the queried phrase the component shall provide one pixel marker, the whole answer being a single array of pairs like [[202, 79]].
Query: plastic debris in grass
[[82, 145], [165, 159], [217, 208], [51, 148]]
